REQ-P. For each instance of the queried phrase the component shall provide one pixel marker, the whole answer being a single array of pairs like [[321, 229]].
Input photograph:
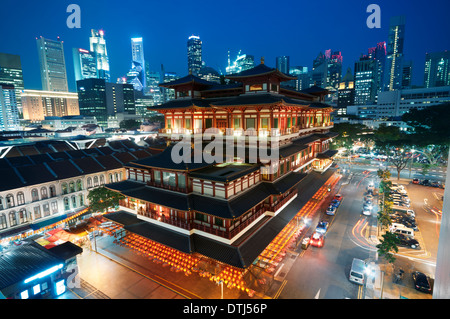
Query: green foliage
[[388, 245], [101, 199], [130, 124]]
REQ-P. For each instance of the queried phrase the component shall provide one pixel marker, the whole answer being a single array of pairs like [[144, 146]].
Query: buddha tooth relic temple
[[229, 211]]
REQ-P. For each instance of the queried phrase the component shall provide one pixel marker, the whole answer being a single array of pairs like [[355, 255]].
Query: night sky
[[300, 29]]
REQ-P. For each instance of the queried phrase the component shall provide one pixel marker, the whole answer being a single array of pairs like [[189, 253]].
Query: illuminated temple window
[[256, 87]]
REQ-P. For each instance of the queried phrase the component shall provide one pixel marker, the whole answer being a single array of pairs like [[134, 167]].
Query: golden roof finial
[[262, 60]]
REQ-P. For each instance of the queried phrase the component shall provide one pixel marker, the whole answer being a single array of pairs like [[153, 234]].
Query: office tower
[[327, 69], [38, 104], [85, 64], [9, 114], [119, 98], [378, 53], [11, 73], [138, 66], [407, 74], [241, 63], [92, 99], [394, 59], [53, 65], [365, 80], [297, 71], [194, 54], [437, 69], [98, 47], [153, 89], [168, 94], [282, 64], [346, 92]]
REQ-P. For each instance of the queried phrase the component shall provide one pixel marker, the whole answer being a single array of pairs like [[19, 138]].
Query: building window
[[169, 179], [89, 182], [181, 181], [110, 177], [81, 199], [157, 177], [23, 216], [1, 203], [66, 204], [79, 185], [117, 177], [256, 87], [64, 189], [95, 181], [201, 217], [46, 209], [71, 187], [34, 195], [218, 222], [9, 201], [37, 212], [102, 180], [44, 194], [74, 202], [3, 223], [20, 198], [52, 190], [12, 219], [54, 207]]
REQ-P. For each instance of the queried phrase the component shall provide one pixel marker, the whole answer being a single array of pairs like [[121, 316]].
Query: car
[[337, 197], [366, 212], [305, 242], [399, 203], [406, 222], [331, 210], [368, 197], [367, 206], [322, 227], [435, 184], [335, 203], [317, 240], [421, 282], [408, 242], [425, 182], [415, 181], [370, 187]]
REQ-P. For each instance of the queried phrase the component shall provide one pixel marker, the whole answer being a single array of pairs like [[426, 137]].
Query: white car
[[331, 210], [366, 212]]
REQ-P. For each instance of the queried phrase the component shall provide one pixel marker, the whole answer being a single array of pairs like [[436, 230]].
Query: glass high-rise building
[[282, 64], [393, 73], [92, 99], [365, 80], [85, 64], [11, 73], [52, 64], [378, 53], [437, 69], [194, 54], [241, 63], [9, 114], [98, 47], [137, 75]]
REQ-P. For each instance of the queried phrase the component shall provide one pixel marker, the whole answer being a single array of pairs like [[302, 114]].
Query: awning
[[47, 222]]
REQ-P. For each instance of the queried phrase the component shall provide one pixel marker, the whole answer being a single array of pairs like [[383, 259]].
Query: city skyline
[[169, 47]]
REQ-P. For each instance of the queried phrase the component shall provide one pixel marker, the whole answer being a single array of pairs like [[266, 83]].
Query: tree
[[101, 199], [388, 246]]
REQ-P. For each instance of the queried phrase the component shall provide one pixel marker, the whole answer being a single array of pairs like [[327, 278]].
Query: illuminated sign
[[44, 273]]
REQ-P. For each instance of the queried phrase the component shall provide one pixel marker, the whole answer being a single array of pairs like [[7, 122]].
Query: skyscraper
[[92, 99], [394, 60], [378, 53], [346, 92], [138, 65], [407, 74], [11, 73], [194, 54], [85, 64], [53, 65], [98, 47], [327, 69], [243, 62], [365, 80], [437, 69], [282, 64], [38, 104], [9, 114]]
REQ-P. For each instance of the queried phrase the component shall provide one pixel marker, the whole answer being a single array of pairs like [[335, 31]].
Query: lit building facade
[[282, 64], [393, 73], [11, 73], [85, 64], [365, 79], [52, 64], [242, 62], [9, 113], [437, 69], [194, 54], [346, 93], [98, 47], [39, 104]]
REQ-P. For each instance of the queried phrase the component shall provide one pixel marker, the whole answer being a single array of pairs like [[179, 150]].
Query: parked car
[[415, 181], [335, 203], [337, 197], [405, 221], [435, 184], [425, 182], [421, 282], [366, 212], [408, 242]]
